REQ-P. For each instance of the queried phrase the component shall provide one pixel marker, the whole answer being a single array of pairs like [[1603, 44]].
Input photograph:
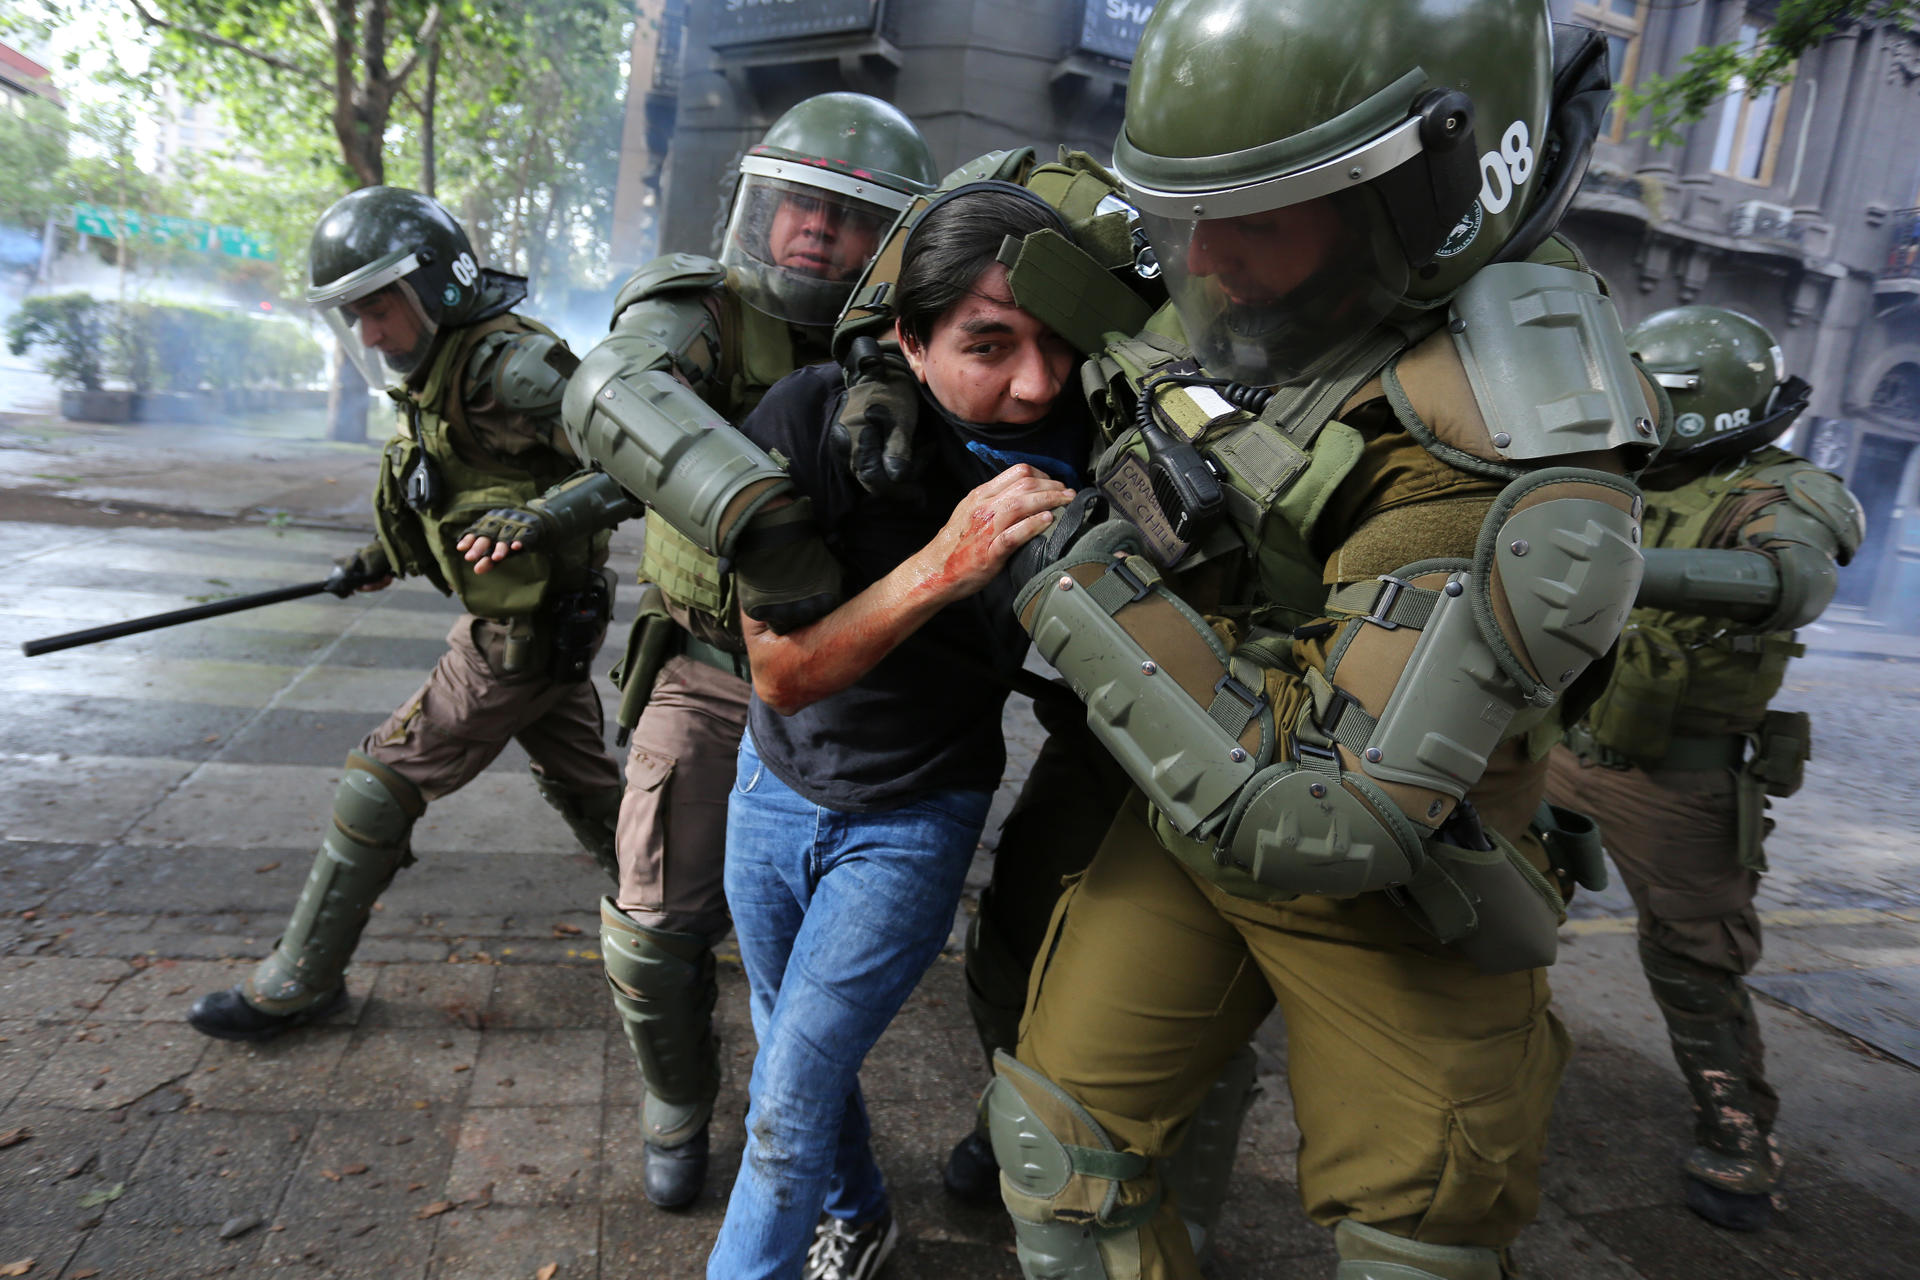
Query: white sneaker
[[842, 1251]]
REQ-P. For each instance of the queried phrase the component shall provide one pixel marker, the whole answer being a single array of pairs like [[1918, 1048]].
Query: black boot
[[972, 1175], [226, 1015], [1734, 1210], [674, 1175]]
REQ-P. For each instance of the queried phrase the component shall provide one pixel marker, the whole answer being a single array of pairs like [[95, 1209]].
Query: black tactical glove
[[782, 570], [874, 433], [363, 568], [508, 525], [1070, 523]]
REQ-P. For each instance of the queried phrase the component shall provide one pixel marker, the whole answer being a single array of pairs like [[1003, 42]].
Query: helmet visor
[[386, 332], [1272, 296], [796, 249]]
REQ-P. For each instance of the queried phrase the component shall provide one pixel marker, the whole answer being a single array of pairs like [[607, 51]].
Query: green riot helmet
[[1725, 375], [391, 271], [815, 197], [1304, 170]]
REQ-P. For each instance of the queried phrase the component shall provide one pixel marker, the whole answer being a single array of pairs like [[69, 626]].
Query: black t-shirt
[[927, 716]]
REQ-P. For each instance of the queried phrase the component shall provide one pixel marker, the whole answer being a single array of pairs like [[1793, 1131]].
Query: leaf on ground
[[265, 867], [330, 1175], [14, 1137], [106, 1195], [482, 1198], [85, 1273], [435, 1209], [19, 1268], [567, 930], [348, 1171], [547, 1272]]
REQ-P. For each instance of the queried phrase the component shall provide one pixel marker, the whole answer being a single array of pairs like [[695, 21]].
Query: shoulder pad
[[1558, 251], [1826, 498], [1543, 352], [670, 273], [999, 166], [526, 372]]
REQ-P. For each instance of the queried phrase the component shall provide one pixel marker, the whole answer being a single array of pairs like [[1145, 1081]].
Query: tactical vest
[[1683, 676], [469, 482], [756, 351], [1283, 469]]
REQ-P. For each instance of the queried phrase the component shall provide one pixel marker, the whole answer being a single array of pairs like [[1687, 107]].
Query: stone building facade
[[1799, 205], [1796, 205], [975, 75]]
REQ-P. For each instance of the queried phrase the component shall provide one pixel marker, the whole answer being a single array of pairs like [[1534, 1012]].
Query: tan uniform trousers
[[1674, 835], [1421, 1086], [672, 837], [465, 714]]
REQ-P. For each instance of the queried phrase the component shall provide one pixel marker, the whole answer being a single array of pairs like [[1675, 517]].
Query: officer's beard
[[1295, 336], [408, 361]]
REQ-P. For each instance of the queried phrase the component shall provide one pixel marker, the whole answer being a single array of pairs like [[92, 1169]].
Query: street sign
[[1111, 28], [752, 21], [130, 224], [241, 243]]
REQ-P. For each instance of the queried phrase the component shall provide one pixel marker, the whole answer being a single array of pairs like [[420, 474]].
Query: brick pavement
[[471, 1114]]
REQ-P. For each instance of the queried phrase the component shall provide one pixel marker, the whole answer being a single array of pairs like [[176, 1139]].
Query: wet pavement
[[471, 1116]]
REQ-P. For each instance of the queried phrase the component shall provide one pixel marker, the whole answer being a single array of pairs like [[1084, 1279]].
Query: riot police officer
[[1681, 751], [479, 387], [1367, 521], [695, 343]]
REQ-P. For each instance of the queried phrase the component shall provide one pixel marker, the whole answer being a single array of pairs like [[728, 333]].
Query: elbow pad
[[1345, 790], [668, 448]]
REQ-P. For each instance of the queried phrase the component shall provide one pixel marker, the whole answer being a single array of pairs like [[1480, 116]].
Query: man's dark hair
[[956, 240]]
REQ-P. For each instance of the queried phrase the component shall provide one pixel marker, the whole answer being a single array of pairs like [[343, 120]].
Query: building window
[[1898, 395], [1620, 21], [1748, 137]]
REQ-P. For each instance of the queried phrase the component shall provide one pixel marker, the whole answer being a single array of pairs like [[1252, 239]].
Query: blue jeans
[[838, 915]]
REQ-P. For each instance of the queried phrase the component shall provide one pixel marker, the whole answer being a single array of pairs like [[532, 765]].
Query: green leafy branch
[[1711, 72]]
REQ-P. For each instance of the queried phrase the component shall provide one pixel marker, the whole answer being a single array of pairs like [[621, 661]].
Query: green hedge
[[156, 346]]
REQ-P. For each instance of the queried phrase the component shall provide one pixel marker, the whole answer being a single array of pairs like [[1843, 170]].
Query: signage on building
[[1111, 28], [130, 224], [758, 21]]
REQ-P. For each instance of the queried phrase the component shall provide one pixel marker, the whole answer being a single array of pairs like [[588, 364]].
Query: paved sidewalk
[[471, 1116]]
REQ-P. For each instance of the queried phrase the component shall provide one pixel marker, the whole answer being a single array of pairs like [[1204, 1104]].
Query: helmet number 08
[[465, 269], [1505, 171]]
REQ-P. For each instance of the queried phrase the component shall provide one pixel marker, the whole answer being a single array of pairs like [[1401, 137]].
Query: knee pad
[[1368, 1253], [663, 986], [374, 806], [1077, 1201]]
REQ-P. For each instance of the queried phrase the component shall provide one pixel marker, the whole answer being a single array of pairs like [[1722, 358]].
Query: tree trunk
[[347, 402], [426, 116]]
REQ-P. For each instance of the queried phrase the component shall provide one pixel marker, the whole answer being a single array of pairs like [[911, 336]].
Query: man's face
[[386, 322], [1260, 258], [821, 237], [987, 360]]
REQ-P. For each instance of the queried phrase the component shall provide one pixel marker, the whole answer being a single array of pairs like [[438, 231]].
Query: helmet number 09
[[1505, 171], [465, 269]]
